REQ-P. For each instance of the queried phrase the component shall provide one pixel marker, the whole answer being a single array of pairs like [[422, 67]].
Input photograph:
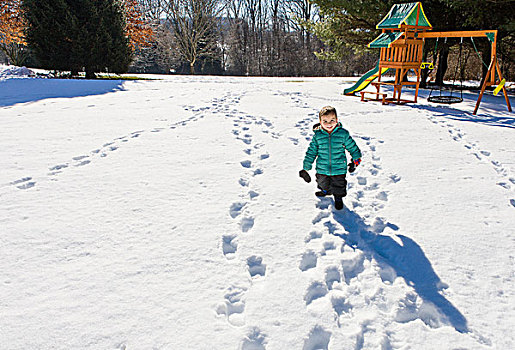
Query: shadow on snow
[[407, 259], [492, 110], [13, 91]]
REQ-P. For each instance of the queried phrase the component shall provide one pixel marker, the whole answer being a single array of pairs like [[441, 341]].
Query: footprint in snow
[[229, 246], [233, 306], [395, 178], [332, 275], [315, 291], [247, 223], [24, 183], [308, 260], [236, 209], [256, 266], [85, 162], [372, 187], [353, 266], [313, 235], [246, 141], [341, 305], [320, 216], [246, 163], [58, 167], [254, 341], [382, 196], [504, 185], [327, 246], [294, 140], [318, 339]]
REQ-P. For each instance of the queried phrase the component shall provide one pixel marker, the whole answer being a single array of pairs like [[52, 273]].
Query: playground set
[[404, 31]]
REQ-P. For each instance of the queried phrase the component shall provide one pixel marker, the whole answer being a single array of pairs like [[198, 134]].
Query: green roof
[[404, 14], [384, 40]]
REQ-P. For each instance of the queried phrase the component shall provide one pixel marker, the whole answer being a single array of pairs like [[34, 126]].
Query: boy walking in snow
[[328, 148]]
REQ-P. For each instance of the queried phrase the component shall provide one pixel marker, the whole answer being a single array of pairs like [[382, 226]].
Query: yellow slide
[[365, 80]]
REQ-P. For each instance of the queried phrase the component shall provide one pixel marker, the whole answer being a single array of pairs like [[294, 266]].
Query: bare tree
[[250, 37], [193, 24], [153, 9]]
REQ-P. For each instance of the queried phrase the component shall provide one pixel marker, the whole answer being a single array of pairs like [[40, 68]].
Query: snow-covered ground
[[169, 214]]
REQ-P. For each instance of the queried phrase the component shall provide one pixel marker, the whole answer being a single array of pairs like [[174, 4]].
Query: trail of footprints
[[341, 262], [102, 152], [339, 270], [507, 180], [233, 305], [350, 274]]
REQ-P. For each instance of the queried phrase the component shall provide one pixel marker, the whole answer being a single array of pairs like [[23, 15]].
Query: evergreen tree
[[347, 25], [78, 34]]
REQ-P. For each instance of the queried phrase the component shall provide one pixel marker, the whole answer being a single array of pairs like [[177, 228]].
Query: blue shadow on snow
[[407, 259], [13, 91], [492, 110]]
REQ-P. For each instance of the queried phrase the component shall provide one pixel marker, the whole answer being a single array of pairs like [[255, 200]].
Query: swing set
[[404, 31]]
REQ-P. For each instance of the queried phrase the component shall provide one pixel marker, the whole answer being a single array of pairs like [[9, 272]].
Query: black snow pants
[[335, 185]]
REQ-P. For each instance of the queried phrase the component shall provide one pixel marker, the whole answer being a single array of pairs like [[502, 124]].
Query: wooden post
[[494, 57], [485, 84], [399, 85], [504, 87], [417, 72]]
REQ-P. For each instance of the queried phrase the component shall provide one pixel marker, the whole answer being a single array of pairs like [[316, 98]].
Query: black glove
[[352, 167], [353, 164], [304, 175]]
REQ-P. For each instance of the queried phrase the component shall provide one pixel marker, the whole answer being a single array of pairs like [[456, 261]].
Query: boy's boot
[[338, 203], [322, 193]]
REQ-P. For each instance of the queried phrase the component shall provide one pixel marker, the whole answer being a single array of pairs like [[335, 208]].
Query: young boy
[[328, 148]]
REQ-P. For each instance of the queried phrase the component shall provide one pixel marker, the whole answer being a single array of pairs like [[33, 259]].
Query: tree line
[[234, 37], [240, 37]]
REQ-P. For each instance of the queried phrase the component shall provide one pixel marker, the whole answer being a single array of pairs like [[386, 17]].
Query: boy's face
[[329, 122]]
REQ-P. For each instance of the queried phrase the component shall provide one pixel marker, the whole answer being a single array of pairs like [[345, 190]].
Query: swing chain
[[478, 54]]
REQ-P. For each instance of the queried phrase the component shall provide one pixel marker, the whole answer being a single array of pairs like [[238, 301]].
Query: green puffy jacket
[[329, 151]]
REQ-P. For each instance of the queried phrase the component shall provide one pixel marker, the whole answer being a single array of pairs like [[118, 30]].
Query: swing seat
[[445, 99]]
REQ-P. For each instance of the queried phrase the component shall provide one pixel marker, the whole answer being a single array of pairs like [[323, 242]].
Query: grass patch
[[121, 77], [99, 76]]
